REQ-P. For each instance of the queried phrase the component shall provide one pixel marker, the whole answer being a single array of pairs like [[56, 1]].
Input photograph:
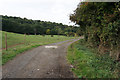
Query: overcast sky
[[45, 10]]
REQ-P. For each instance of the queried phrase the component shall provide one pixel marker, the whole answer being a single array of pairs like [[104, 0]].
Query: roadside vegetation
[[18, 43], [88, 63], [100, 24], [98, 55]]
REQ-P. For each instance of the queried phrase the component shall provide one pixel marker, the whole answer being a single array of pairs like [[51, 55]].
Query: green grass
[[13, 39], [88, 64], [31, 41]]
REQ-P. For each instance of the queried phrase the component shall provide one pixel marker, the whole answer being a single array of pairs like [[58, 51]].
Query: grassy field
[[88, 64], [30, 41]]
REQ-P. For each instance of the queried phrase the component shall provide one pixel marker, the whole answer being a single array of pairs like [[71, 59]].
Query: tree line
[[100, 22], [29, 26]]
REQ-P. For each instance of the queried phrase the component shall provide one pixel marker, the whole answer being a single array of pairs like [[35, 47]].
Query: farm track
[[40, 62]]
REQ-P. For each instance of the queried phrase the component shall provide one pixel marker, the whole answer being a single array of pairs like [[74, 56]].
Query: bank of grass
[[31, 41], [87, 63]]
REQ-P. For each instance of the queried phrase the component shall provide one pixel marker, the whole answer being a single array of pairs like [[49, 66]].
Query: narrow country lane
[[48, 61]]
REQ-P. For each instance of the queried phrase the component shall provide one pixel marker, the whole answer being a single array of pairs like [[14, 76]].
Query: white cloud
[[46, 10]]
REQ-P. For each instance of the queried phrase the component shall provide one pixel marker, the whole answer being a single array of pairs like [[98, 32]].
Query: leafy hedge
[[101, 25]]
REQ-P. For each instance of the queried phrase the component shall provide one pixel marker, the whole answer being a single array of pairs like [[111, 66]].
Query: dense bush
[[101, 25]]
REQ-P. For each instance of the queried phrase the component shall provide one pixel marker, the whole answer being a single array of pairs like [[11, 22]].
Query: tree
[[29, 26], [48, 31]]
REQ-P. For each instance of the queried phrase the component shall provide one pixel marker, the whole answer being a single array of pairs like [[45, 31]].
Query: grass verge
[[87, 63]]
